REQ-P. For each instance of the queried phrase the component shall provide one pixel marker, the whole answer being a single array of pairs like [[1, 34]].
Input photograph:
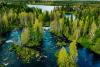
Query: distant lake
[[43, 7]]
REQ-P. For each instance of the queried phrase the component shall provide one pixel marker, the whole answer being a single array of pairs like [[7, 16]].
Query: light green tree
[[5, 21], [93, 29], [23, 18], [77, 29], [61, 26], [10, 14], [31, 19], [57, 26], [73, 54], [86, 26], [25, 36], [54, 26], [37, 30], [63, 58]]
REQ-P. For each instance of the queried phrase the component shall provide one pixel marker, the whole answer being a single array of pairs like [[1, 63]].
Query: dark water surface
[[9, 59]]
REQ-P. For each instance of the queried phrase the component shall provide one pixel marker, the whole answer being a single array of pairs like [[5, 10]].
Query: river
[[9, 58]]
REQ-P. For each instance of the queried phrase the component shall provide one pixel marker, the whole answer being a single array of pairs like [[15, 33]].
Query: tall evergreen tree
[[73, 53], [63, 58], [93, 29], [37, 30], [25, 36]]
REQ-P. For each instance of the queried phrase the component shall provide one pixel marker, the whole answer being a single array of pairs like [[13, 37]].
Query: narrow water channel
[[49, 48], [9, 59]]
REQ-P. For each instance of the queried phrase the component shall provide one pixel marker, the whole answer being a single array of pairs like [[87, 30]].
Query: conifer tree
[[5, 21], [93, 29], [25, 36], [37, 30], [73, 53], [63, 58], [86, 26]]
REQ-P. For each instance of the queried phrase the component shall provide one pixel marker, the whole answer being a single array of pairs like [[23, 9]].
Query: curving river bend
[[9, 59]]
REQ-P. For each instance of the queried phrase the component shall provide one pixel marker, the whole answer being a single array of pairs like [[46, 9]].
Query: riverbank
[[79, 45]]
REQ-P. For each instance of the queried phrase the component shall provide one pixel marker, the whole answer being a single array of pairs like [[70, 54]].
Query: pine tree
[[77, 29], [5, 21], [73, 53], [63, 58], [37, 30], [61, 26], [92, 30], [86, 26], [54, 26], [25, 36], [23, 18]]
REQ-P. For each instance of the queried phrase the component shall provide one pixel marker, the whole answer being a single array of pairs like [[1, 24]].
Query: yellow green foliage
[[96, 46], [54, 26], [73, 51], [25, 35], [61, 26], [37, 30], [10, 13], [26, 54], [5, 20], [93, 30], [77, 29], [57, 26], [86, 26], [63, 58], [23, 18]]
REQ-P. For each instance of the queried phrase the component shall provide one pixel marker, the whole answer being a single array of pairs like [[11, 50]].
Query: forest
[[66, 36]]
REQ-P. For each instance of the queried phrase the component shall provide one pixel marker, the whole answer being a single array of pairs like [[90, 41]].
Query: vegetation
[[61, 43], [25, 36], [63, 58], [84, 29], [73, 54], [37, 31], [1, 65], [66, 59], [26, 54]]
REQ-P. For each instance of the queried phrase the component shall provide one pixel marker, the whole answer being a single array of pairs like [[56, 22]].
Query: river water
[[9, 58]]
